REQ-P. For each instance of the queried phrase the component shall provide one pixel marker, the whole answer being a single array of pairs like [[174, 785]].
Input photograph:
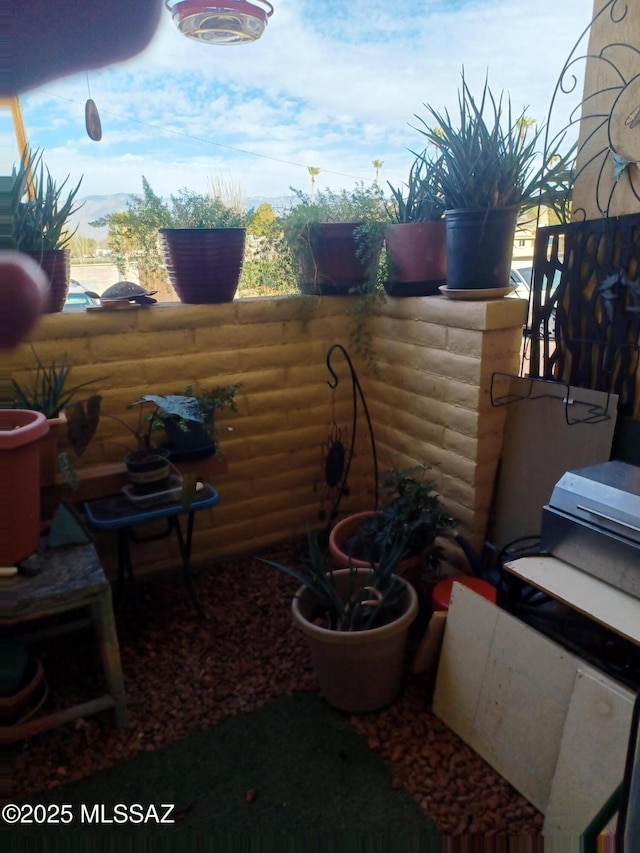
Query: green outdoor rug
[[295, 766]]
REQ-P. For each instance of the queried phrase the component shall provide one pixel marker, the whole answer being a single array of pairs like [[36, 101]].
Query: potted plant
[[189, 420], [492, 169], [148, 466], [335, 239], [356, 623], [412, 519], [51, 393], [41, 211], [416, 240], [204, 246]]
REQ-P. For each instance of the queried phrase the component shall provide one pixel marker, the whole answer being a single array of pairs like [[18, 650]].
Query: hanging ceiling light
[[231, 22]]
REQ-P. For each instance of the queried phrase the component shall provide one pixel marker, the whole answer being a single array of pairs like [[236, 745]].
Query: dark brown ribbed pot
[[56, 266], [417, 255], [204, 264], [330, 265]]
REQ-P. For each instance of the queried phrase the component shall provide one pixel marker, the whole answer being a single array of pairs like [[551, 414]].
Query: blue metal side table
[[119, 513]]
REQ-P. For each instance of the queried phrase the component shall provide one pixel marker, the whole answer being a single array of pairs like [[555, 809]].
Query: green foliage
[[414, 516], [50, 390], [39, 219], [365, 606], [261, 221], [424, 199], [189, 407], [133, 234], [190, 209], [491, 160]]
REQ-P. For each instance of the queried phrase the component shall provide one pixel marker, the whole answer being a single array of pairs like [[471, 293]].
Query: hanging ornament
[[92, 121], [230, 22]]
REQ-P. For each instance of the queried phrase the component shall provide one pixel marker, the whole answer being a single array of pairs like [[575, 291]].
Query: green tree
[[261, 220], [133, 237], [377, 165]]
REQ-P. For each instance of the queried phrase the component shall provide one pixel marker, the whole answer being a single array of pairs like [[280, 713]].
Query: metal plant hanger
[[337, 452]]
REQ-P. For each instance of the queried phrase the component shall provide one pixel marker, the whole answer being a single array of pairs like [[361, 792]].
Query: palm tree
[[314, 171], [377, 165], [524, 123]]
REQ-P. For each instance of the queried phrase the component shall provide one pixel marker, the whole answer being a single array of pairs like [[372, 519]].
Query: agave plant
[[492, 159], [423, 199], [364, 605], [41, 207]]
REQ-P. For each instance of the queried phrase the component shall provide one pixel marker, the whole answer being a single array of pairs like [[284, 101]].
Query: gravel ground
[[183, 673]]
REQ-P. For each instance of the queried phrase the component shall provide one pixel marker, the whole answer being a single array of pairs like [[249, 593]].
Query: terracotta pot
[[358, 671], [330, 264], [55, 263], [204, 264], [417, 254], [13, 707], [344, 529], [50, 447], [20, 431]]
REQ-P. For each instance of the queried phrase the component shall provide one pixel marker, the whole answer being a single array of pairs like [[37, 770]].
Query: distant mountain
[[97, 206]]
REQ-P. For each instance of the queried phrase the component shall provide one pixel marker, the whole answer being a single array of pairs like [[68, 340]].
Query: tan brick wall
[[428, 397]]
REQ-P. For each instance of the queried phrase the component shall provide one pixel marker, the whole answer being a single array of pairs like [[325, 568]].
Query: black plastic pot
[[480, 247], [188, 440], [149, 472]]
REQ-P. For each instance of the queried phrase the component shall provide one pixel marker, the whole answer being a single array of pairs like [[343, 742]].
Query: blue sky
[[330, 84]]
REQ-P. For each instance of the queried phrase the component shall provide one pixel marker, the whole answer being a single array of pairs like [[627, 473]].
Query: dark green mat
[[310, 771]]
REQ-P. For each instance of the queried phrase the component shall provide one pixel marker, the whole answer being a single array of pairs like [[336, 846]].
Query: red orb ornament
[[23, 289]]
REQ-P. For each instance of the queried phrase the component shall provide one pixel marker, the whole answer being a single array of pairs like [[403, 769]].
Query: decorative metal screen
[[584, 311]]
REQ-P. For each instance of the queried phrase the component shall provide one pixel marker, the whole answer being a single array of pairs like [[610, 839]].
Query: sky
[[330, 84]]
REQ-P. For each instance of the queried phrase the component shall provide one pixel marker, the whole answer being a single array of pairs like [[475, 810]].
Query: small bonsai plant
[[364, 604], [412, 519]]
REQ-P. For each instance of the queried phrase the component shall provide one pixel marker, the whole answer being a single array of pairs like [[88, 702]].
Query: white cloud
[[330, 84]]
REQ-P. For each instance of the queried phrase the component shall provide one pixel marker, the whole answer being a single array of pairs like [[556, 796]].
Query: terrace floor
[[183, 673]]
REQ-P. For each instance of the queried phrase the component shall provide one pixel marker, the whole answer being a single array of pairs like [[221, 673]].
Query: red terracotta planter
[[417, 254], [330, 265], [342, 532], [20, 431]]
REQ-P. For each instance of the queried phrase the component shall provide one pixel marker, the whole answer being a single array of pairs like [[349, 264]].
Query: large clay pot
[[417, 256], [330, 263], [358, 671], [204, 264], [344, 529], [55, 263], [480, 247], [20, 431]]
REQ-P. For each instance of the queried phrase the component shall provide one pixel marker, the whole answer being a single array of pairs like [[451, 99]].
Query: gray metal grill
[[592, 521]]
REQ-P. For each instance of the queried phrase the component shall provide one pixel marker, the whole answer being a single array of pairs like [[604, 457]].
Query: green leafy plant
[[364, 606], [363, 204], [491, 159], [183, 410], [49, 391], [43, 207], [414, 516], [422, 199]]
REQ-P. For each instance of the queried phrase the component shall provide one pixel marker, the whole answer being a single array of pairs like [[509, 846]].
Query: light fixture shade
[[229, 22]]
